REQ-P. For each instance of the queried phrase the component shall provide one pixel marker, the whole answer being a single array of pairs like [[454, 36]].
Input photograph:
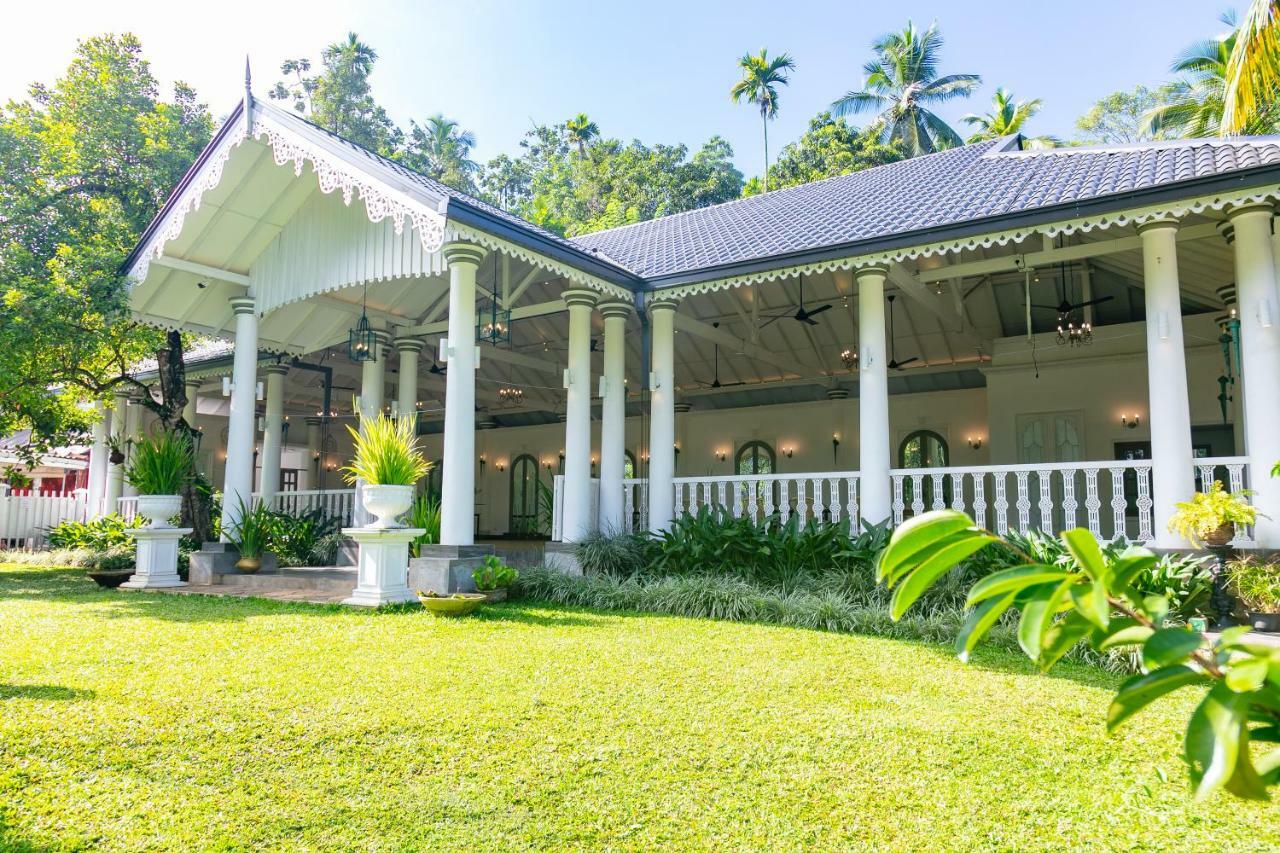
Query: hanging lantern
[[362, 341], [493, 327]]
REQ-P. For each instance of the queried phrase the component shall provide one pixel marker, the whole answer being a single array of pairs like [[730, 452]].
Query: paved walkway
[[308, 596]]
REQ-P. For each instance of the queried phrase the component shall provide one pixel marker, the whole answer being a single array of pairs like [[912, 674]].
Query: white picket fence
[[25, 519]]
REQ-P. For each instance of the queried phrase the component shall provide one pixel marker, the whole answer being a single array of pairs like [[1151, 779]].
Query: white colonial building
[[1045, 338]]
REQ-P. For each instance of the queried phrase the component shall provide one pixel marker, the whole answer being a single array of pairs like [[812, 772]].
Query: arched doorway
[[629, 466], [524, 496], [923, 448], [755, 458]]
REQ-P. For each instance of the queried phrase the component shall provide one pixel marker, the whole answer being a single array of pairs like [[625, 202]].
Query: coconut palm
[[902, 83], [1253, 70], [1195, 104], [1006, 118], [580, 131], [761, 77], [441, 149]]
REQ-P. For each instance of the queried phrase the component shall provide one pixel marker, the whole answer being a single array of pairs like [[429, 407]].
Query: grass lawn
[[134, 720]]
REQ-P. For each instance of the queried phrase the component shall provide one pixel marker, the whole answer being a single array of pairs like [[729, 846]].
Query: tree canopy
[[829, 148]]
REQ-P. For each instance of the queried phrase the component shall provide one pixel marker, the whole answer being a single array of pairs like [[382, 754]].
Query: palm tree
[[580, 131], [1195, 104], [441, 149], [761, 77], [1253, 70], [902, 81], [1006, 118]]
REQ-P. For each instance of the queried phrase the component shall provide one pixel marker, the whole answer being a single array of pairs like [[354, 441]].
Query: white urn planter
[[158, 509], [386, 504]]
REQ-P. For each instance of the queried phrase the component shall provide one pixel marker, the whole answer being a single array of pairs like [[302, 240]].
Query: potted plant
[[250, 534], [1210, 518], [160, 469], [388, 462], [493, 578], [1257, 587], [115, 444]]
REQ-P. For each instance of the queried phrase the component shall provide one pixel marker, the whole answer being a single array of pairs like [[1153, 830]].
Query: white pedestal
[[382, 572], [157, 560]]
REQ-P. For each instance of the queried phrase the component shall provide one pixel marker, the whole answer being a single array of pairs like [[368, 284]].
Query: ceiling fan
[[716, 383], [803, 315], [1066, 307], [894, 364]]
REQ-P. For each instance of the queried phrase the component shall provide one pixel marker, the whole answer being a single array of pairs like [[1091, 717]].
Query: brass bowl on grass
[[457, 604]]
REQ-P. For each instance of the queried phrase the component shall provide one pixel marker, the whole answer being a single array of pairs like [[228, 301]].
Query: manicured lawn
[[145, 720]]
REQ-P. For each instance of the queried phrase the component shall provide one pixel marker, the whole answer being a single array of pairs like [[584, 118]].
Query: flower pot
[[493, 596], [111, 580], [1269, 622], [159, 508], [249, 565], [458, 604], [1221, 537], [386, 504], [116, 457]]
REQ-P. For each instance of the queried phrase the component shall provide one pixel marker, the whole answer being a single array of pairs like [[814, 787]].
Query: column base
[[382, 570], [562, 557], [446, 569], [156, 565]]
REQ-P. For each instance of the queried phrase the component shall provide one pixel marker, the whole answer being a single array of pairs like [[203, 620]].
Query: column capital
[[313, 421], [662, 304], [277, 369], [462, 252], [1238, 210], [414, 345], [615, 309], [243, 304], [193, 383], [579, 297], [1165, 221], [881, 270]]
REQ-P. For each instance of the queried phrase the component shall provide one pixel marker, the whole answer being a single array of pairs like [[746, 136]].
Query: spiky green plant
[[252, 529], [161, 464], [425, 514], [386, 452]]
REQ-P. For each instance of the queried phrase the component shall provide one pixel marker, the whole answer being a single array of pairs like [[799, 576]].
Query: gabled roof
[[974, 189]]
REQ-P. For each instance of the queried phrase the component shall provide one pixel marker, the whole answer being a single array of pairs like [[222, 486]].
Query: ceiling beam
[[914, 290], [753, 351], [540, 309]]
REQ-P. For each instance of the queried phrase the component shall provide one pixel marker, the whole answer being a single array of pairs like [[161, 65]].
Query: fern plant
[[161, 464], [386, 453]]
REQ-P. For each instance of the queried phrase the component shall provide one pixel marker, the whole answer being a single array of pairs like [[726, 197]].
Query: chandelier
[[848, 358], [511, 395], [1071, 335]]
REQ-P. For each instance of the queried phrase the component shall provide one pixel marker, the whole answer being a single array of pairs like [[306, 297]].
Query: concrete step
[[334, 579], [348, 553]]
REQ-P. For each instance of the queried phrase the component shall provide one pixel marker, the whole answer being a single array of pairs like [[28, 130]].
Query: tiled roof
[[963, 185]]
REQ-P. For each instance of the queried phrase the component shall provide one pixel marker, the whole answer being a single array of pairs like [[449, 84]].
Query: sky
[[658, 71]]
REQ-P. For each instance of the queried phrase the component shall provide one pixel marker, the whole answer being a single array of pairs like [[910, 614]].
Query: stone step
[[335, 579], [348, 553]]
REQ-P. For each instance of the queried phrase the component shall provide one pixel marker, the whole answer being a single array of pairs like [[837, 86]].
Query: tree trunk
[[764, 120], [172, 371]]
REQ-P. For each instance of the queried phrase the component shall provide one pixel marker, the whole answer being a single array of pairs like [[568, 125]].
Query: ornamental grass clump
[[386, 453], [1207, 512], [1256, 584], [161, 464]]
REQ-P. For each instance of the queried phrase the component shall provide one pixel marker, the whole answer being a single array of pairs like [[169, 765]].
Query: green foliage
[[252, 530], [308, 539], [829, 148], [761, 78], [161, 465], [619, 555], [424, 514], [1207, 511], [16, 478], [1095, 601], [494, 574], [1007, 117], [386, 452], [102, 533], [1256, 584], [116, 558], [1119, 119]]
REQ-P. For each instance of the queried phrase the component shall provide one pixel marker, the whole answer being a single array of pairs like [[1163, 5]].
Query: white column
[[115, 473], [373, 381], [1260, 360], [458, 475], [662, 414], [314, 439], [98, 462], [1169, 414], [237, 482], [132, 433], [273, 434], [577, 426], [873, 398], [407, 388], [613, 416]]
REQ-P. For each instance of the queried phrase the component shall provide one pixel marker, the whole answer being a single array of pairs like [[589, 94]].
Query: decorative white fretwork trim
[[1102, 221], [456, 231]]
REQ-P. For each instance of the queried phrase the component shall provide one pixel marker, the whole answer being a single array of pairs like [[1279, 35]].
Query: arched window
[[755, 457], [524, 496], [923, 449], [629, 466]]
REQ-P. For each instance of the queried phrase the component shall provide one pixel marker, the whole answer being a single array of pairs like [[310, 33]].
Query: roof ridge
[[1149, 145]]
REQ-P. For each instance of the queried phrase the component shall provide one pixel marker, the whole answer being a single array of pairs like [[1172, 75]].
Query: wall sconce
[[676, 446], [593, 465], [835, 445], [722, 455], [975, 442], [547, 464], [1128, 423], [481, 463], [501, 465], [644, 457], [788, 451]]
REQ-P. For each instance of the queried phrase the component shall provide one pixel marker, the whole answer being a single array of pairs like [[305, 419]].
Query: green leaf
[[1140, 690], [1212, 745], [1130, 634], [1247, 674], [1084, 547], [980, 621], [914, 536], [1038, 614], [1169, 646], [1061, 636], [1015, 579], [1091, 602], [1156, 607], [934, 562]]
